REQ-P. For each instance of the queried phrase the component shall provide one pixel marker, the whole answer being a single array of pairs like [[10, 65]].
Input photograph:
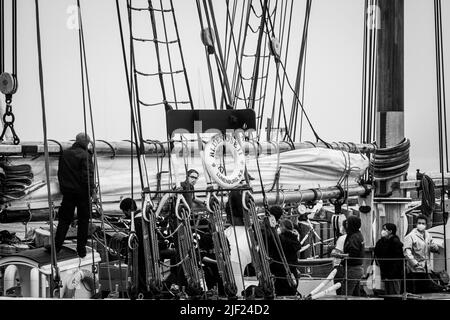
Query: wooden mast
[[390, 200]]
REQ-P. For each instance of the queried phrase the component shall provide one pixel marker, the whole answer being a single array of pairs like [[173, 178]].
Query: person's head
[[421, 222], [353, 224], [276, 211], [128, 205], [286, 225], [389, 230], [344, 227], [83, 139], [192, 176]]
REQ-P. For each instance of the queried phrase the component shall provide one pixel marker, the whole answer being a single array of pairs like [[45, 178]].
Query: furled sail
[[299, 169]]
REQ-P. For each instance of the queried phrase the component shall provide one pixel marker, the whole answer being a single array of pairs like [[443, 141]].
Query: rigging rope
[[86, 85], [54, 275], [300, 72], [369, 74], [151, 11], [237, 85], [258, 53], [442, 110], [279, 62], [388, 163]]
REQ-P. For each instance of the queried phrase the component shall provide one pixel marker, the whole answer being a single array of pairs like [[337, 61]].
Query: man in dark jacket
[[389, 254], [290, 244], [188, 185], [354, 247], [76, 182]]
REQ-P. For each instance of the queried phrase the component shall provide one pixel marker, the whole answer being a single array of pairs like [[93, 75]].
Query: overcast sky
[[333, 74]]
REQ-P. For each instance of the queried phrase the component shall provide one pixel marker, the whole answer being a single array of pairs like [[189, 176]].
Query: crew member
[[76, 182]]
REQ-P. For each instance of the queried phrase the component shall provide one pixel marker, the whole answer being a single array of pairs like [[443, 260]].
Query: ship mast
[[390, 201]]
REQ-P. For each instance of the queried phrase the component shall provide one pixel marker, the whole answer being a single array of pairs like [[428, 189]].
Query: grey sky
[[334, 68]]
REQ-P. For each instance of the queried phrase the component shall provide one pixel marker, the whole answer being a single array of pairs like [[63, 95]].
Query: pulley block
[[8, 83]]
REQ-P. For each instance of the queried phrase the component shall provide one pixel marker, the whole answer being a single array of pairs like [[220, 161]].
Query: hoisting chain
[[8, 120]]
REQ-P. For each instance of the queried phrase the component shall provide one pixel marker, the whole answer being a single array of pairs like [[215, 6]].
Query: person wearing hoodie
[[389, 254], [291, 246], [418, 245], [76, 182], [354, 247]]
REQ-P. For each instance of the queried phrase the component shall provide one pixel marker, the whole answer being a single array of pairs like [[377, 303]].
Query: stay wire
[[296, 96], [363, 80], [157, 50], [237, 63], [229, 38], [443, 96], [304, 111], [302, 73], [287, 47], [169, 58], [255, 73], [442, 119], [263, 88], [86, 85], [130, 97], [238, 78], [303, 100], [14, 37], [2, 36], [208, 60], [54, 272], [219, 55], [242, 47]]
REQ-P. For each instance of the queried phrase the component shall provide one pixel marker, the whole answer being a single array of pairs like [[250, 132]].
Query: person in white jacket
[[417, 246]]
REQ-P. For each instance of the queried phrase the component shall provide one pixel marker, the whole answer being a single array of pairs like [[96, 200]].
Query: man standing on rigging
[[76, 182]]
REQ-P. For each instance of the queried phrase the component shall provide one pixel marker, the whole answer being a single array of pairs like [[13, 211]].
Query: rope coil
[[390, 162]]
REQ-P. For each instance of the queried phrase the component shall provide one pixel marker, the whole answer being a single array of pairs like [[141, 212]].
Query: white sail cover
[[299, 169]]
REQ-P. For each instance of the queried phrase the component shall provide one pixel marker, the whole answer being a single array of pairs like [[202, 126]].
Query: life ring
[[215, 169], [78, 278]]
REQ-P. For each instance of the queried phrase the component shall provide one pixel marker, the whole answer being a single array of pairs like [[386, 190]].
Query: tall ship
[[220, 197]]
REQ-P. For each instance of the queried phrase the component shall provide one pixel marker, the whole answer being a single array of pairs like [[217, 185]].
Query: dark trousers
[[420, 282], [392, 286], [65, 217], [212, 277], [351, 284], [282, 287]]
